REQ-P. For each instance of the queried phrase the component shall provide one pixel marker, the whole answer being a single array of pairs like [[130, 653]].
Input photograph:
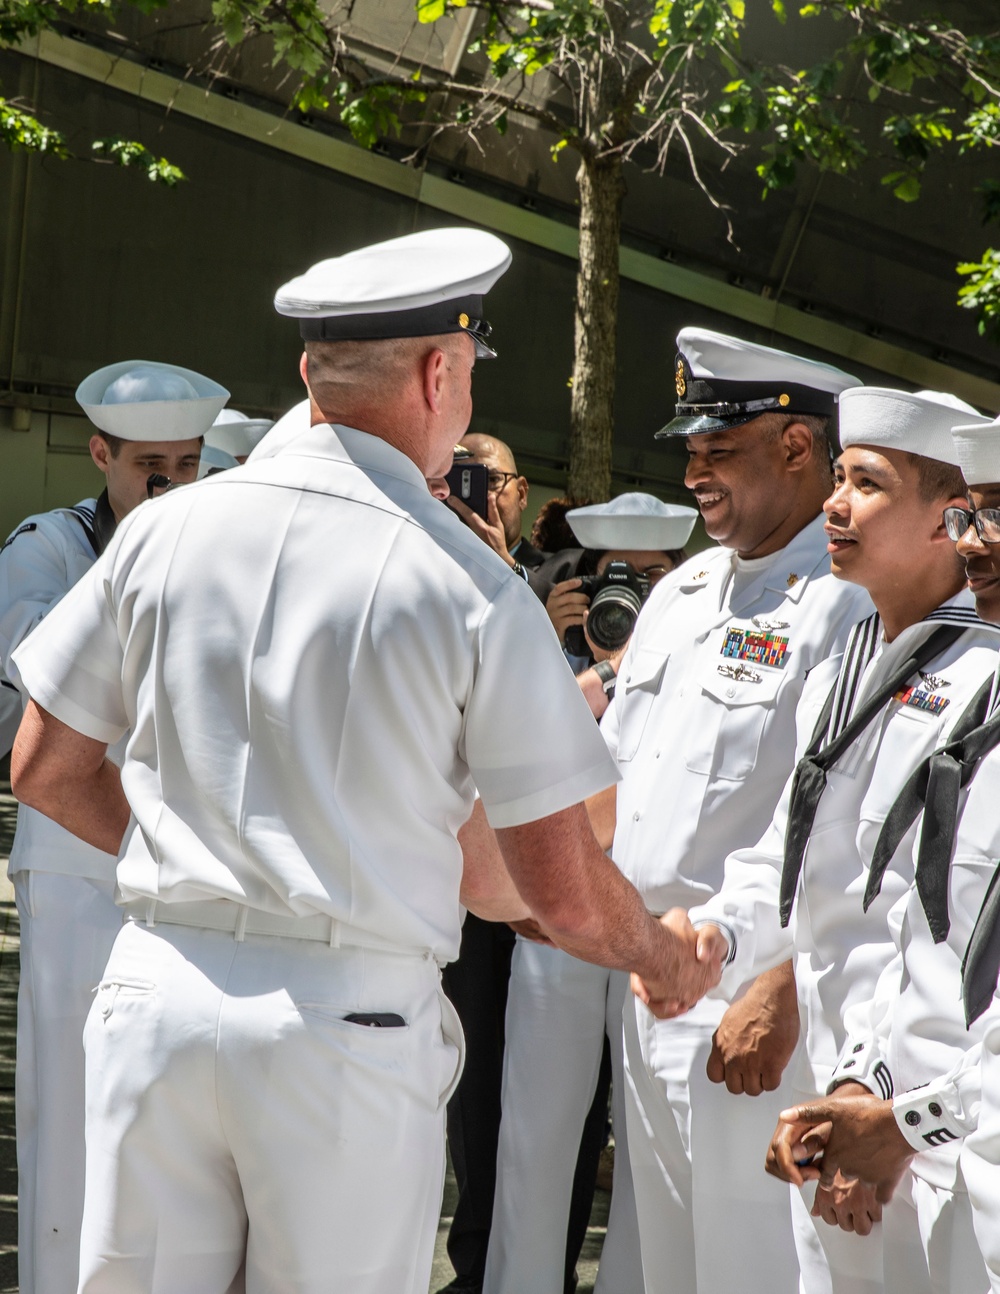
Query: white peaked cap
[[420, 285], [919, 422], [715, 354], [142, 400], [633, 521], [235, 433], [723, 382], [977, 448], [214, 460]]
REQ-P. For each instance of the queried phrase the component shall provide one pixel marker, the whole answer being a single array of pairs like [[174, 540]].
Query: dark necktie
[[935, 786], [982, 957], [809, 782]]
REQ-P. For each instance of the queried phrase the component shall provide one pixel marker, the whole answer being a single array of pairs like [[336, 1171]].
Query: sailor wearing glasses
[[147, 418]]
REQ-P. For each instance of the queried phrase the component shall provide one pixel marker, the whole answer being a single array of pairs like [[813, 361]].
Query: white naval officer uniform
[[704, 740], [839, 950], [303, 751], [61, 885], [910, 1042], [559, 1011]]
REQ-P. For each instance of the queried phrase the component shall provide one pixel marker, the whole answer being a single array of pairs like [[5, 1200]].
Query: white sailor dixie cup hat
[[142, 400], [919, 422], [236, 434], [977, 449], [421, 285], [725, 382], [633, 521]]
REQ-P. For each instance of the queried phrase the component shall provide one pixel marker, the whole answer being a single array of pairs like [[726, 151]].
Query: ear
[[797, 441], [304, 369], [100, 453], [435, 376], [959, 501], [522, 493]]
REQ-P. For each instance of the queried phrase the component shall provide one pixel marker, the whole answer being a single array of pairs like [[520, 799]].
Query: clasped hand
[[692, 964], [847, 1137]]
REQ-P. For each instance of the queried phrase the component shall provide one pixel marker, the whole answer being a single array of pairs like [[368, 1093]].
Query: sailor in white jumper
[[864, 724], [148, 418]]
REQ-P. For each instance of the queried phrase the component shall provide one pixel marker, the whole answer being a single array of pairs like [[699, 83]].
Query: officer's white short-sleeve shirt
[[317, 664]]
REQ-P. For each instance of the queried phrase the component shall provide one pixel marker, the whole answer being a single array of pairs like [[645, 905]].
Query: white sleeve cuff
[[861, 1062], [924, 1118], [729, 934]]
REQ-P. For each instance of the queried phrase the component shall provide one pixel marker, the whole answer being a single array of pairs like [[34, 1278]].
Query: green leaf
[[430, 10], [779, 10], [738, 9]]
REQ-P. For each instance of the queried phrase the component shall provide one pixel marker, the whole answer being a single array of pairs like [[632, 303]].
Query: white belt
[[239, 920]]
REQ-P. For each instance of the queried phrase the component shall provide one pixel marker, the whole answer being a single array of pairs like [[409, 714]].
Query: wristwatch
[[605, 671]]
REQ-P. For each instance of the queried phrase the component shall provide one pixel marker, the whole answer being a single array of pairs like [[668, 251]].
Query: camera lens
[[612, 617]]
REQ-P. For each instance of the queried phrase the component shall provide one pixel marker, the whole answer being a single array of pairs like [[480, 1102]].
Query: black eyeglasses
[[497, 481], [986, 520]]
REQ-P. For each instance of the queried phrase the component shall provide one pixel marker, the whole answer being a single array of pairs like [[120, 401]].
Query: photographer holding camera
[[559, 1008], [626, 546]]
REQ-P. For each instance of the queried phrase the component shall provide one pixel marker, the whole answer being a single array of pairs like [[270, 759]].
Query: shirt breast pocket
[[635, 696], [730, 724]]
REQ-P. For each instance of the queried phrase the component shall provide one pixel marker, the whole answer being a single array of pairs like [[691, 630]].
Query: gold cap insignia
[[463, 320], [792, 581], [680, 382], [784, 400]]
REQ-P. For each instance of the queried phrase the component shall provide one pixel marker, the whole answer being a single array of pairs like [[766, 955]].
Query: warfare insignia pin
[[792, 581], [759, 646], [680, 381], [741, 673], [921, 699], [768, 626], [933, 681]]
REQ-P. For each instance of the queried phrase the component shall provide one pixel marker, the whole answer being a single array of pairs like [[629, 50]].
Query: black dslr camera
[[616, 598]]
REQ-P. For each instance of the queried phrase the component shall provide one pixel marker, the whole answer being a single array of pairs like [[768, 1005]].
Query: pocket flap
[[645, 671]]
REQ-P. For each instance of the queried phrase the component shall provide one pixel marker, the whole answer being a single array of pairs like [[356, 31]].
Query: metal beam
[[457, 200]]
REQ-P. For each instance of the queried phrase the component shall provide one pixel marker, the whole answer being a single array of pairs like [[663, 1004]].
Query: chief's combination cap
[[633, 521], [142, 400], [418, 286], [724, 382], [919, 422], [236, 434], [977, 448]]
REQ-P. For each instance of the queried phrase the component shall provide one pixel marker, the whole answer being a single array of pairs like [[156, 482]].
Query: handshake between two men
[[553, 881]]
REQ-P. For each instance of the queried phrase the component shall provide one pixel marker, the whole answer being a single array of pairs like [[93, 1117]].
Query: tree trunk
[[602, 189]]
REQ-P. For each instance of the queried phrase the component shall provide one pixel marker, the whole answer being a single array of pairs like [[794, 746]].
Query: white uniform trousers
[[832, 1261], [241, 1134], [558, 1010], [930, 1244], [68, 925], [710, 1219]]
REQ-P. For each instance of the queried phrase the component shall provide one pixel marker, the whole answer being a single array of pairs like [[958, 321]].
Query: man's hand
[[694, 967], [566, 606], [757, 1035], [850, 1205], [489, 531], [852, 1132]]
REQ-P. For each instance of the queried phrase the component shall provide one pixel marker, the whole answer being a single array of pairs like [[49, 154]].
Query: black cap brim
[[697, 426]]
